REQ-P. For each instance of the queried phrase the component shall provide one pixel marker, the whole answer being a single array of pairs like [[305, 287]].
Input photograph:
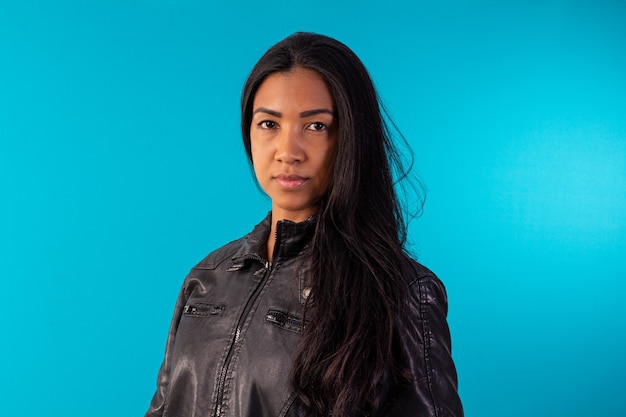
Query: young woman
[[318, 310]]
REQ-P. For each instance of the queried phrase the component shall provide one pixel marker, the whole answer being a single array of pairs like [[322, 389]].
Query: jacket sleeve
[[426, 346], [163, 378]]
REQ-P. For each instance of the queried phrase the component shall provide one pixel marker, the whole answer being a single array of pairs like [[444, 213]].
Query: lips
[[290, 181]]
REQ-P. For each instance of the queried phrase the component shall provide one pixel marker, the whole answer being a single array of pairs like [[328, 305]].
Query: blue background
[[121, 167]]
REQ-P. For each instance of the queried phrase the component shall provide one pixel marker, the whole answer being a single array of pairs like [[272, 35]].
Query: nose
[[289, 147]]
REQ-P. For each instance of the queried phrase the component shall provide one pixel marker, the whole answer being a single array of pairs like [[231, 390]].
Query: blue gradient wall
[[121, 166]]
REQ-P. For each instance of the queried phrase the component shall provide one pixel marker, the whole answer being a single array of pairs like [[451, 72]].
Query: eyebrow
[[306, 113]]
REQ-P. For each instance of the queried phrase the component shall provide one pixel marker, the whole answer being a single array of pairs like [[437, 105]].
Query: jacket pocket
[[284, 320], [204, 309]]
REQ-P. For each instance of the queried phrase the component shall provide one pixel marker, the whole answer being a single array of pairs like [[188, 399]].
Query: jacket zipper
[[242, 318]]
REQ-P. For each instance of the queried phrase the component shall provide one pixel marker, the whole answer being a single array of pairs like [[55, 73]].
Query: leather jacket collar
[[291, 239]]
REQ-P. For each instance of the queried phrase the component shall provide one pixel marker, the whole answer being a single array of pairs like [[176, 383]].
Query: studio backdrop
[[121, 166]]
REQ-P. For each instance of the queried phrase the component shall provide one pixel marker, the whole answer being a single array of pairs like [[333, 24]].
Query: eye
[[267, 124], [317, 126]]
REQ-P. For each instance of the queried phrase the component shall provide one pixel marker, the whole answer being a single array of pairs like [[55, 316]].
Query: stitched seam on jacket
[[423, 303], [287, 405], [183, 299]]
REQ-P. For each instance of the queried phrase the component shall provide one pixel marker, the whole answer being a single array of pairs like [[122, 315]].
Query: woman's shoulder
[[424, 283], [221, 254], [249, 245]]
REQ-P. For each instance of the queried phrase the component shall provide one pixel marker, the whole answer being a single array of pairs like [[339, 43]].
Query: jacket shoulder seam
[[422, 275]]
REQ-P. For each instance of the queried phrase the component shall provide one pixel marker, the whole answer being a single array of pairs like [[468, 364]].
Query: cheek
[[254, 154], [258, 164], [258, 170], [261, 177]]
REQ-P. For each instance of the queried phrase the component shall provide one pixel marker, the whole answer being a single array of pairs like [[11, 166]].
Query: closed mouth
[[290, 181]]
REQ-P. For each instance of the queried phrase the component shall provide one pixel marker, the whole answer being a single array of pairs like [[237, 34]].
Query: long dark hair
[[345, 355]]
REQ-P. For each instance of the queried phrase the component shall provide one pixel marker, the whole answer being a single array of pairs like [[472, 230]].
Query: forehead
[[299, 87]]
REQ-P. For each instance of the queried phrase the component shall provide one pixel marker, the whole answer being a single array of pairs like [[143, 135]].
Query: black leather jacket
[[237, 321]]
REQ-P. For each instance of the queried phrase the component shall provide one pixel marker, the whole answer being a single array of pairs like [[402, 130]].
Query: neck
[[271, 240]]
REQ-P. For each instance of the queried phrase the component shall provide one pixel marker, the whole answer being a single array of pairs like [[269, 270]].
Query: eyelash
[[269, 124], [321, 126], [264, 124]]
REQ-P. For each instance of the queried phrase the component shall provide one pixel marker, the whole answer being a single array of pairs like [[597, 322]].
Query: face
[[293, 136]]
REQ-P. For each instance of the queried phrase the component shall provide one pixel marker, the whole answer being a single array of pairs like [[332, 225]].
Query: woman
[[318, 310]]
